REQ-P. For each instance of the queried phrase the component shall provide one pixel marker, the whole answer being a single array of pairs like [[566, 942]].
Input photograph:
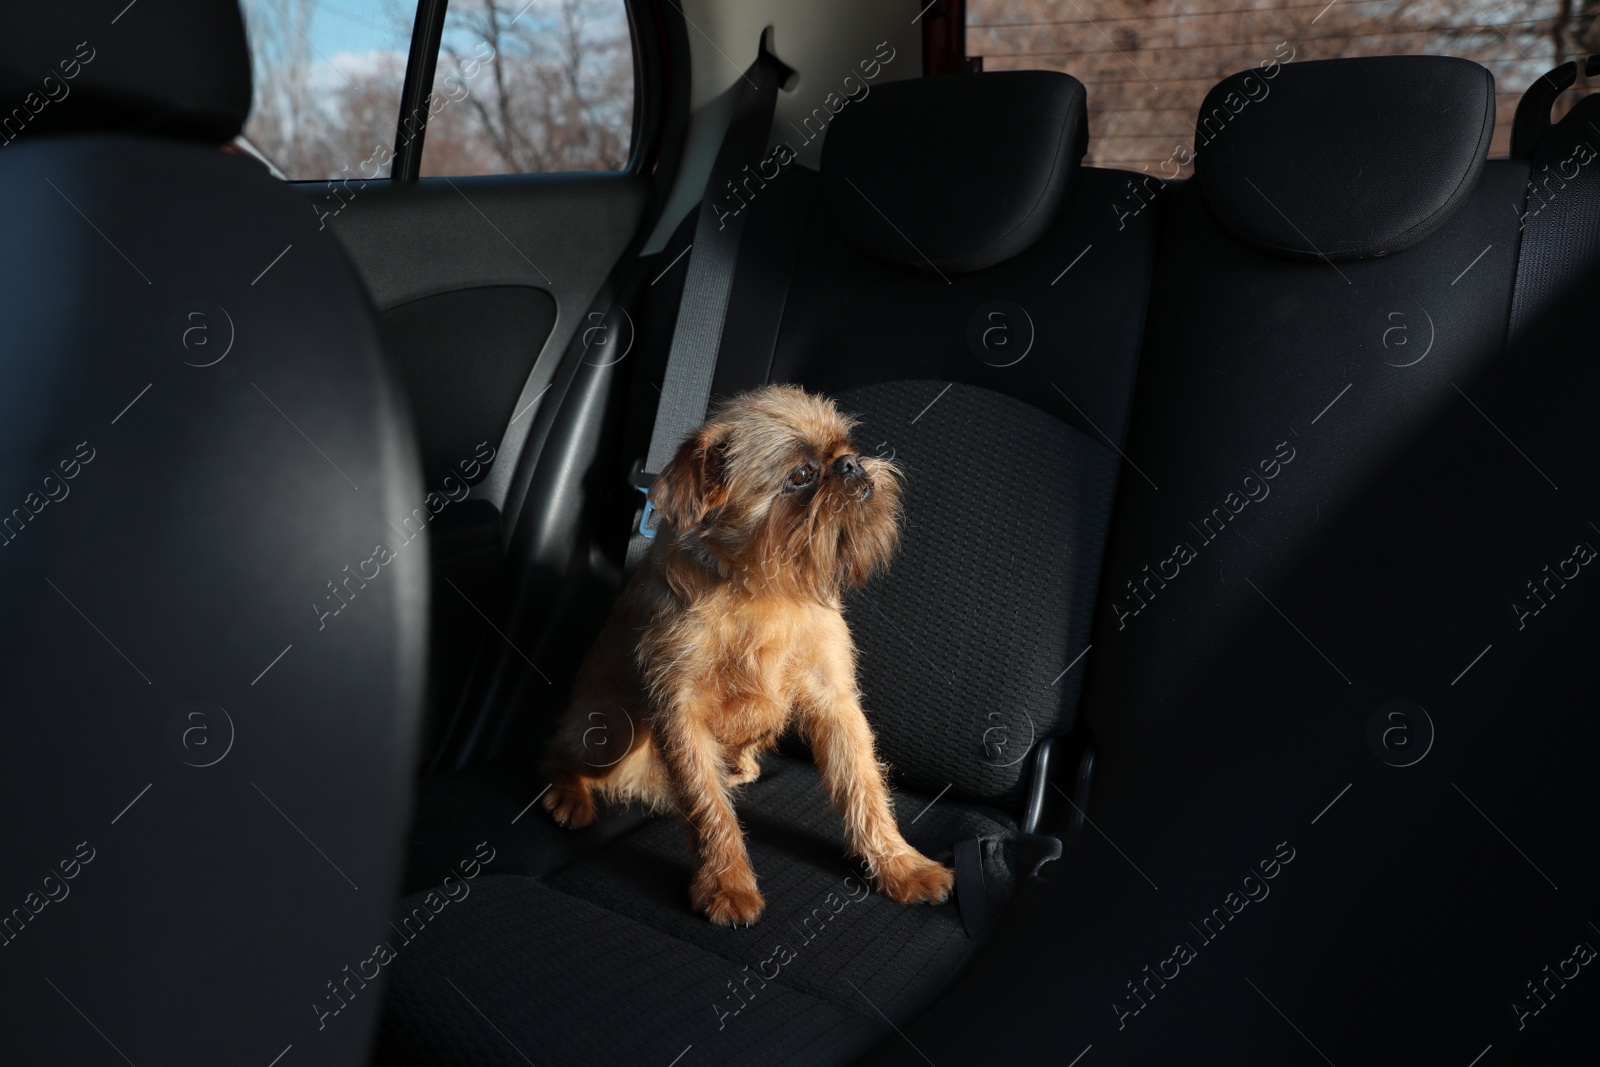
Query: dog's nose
[[848, 467]]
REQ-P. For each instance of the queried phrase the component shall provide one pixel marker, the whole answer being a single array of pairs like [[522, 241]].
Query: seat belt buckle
[[641, 481]]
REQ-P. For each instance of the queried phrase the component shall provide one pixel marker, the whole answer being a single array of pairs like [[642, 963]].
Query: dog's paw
[[747, 771], [912, 878], [570, 805], [729, 900]]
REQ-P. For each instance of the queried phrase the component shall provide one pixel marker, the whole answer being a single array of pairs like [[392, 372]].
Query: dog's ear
[[692, 484]]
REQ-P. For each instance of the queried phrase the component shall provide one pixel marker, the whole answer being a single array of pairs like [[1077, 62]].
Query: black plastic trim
[[665, 68], [412, 124], [1049, 759], [649, 85], [1533, 110], [1080, 787], [1044, 760]]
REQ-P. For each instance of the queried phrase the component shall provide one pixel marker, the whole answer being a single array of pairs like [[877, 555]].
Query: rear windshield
[[1148, 66]]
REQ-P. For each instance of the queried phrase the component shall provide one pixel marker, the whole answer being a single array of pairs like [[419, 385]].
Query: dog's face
[[776, 492]]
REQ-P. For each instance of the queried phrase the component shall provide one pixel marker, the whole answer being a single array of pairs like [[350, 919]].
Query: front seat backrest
[[212, 637]]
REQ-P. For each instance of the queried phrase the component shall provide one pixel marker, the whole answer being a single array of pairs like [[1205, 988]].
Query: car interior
[[320, 480]]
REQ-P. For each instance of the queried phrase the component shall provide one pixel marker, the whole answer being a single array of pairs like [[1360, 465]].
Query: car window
[[327, 84], [531, 85], [1147, 70]]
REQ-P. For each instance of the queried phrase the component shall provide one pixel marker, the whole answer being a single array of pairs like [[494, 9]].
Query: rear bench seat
[[1006, 396], [1358, 483], [1323, 401]]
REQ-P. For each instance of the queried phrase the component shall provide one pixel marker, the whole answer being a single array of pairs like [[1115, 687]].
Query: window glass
[[531, 85], [327, 84], [1147, 66]]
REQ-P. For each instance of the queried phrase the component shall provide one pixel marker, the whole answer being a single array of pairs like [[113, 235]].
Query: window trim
[[426, 35], [427, 38]]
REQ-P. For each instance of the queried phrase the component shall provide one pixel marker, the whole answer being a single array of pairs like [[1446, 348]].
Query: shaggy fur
[[730, 631]]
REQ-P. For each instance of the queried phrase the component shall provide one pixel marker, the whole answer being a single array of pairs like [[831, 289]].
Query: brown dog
[[731, 630]]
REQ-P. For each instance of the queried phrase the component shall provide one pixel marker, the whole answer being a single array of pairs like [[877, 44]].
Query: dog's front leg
[[724, 886], [842, 743]]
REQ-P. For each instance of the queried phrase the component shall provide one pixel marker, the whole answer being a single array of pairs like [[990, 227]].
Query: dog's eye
[[802, 476]]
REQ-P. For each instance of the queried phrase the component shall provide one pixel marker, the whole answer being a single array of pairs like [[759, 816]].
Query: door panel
[[482, 285], [559, 233], [463, 357]]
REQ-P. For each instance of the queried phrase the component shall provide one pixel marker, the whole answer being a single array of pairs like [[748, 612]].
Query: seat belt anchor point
[[641, 481], [646, 528]]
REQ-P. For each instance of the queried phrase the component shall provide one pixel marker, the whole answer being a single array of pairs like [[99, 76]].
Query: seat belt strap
[[991, 870], [1561, 219], [692, 359]]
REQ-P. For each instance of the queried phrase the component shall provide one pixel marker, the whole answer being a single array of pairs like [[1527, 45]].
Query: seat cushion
[[967, 640], [614, 935], [519, 972]]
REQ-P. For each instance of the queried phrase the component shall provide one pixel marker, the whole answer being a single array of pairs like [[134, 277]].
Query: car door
[[488, 166]]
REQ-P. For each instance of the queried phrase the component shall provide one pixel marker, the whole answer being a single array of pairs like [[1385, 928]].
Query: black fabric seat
[[1358, 493], [522, 966], [614, 933], [180, 721], [964, 648], [966, 643], [1316, 647]]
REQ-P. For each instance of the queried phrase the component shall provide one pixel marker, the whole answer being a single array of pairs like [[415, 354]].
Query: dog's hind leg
[[746, 768], [598, 753], [570, 800], [640, 778]]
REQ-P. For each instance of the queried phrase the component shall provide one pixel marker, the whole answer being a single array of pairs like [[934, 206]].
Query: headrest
[[960, 171], [174, 68], [1344, 158]]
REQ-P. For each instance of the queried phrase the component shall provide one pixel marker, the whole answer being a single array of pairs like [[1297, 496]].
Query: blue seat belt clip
[[646, 528], [642, 482]]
